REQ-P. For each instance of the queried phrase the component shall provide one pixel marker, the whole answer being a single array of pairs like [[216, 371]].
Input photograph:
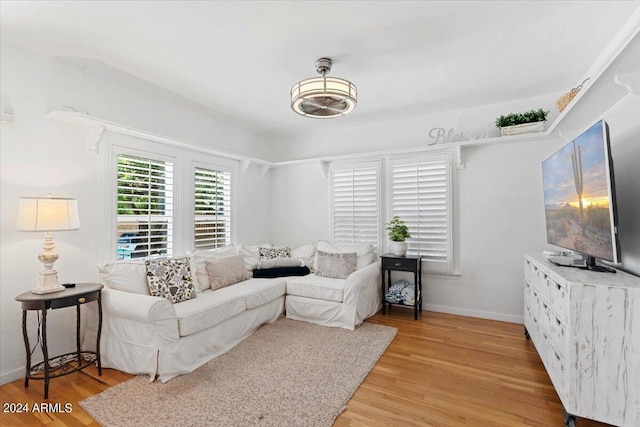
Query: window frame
[[185, 159], [217, 167], [339, 166], [170, 235], [450, 265]]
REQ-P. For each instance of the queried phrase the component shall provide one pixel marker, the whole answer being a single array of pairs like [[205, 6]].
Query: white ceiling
[[241, 58]]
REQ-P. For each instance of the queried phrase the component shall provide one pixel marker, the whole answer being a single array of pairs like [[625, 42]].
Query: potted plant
[[520, 123], [398, 232]]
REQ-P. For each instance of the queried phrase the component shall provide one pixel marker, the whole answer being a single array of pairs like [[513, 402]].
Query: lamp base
[[48, 283]]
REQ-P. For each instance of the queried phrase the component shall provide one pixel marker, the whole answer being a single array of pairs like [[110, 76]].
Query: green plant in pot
[[519, 123], [398, 232]]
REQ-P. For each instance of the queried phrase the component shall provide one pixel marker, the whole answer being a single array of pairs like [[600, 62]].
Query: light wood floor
[[441, 370]]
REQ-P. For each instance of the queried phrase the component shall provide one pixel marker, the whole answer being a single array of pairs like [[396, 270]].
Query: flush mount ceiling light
[[324, 97]]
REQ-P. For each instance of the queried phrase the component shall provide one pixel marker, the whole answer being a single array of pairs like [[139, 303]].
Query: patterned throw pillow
[[170, 279], [338, 266], [271, 253]]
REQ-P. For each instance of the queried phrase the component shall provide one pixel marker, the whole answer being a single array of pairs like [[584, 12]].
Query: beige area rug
[[288, 373]]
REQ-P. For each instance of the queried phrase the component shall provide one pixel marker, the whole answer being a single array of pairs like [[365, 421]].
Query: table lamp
[[47, 214]]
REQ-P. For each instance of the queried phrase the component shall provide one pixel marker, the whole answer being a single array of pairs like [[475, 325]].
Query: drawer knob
[[82, 300], [398, 264]]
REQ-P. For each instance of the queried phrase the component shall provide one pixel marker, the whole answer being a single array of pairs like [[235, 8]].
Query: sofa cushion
[[226, 271], [171, 279], [258, 292], [209, 309], [364, 253], [312, 286], [199, 258], [127, 276]]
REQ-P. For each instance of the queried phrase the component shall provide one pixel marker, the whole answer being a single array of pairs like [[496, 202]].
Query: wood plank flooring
[[441, 370]]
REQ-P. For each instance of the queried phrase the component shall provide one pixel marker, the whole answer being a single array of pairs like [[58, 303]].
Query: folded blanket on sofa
[[268, 273]]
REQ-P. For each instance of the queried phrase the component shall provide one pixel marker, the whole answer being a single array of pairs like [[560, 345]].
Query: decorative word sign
[[443, 136]]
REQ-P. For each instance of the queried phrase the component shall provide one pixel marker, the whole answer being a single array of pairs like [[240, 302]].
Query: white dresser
[[586, 327]]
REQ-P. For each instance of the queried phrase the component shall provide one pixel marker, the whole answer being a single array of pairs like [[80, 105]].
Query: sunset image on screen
[[577, 196]]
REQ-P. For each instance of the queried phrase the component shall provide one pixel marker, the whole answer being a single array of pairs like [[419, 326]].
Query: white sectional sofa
[[144, 334]]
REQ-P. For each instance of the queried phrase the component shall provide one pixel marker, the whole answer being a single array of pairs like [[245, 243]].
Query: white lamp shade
[[47, 214]]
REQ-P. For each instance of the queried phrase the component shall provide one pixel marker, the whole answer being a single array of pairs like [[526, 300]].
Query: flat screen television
[[579, 197]]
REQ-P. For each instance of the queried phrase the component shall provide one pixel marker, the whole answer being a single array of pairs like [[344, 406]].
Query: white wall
[[299, 210], [107, 93], [500, 218], [40, 156]]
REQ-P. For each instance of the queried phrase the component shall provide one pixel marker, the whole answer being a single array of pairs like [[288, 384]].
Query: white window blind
[[145, 207], [355, 203], [212, 208], [421, 197]]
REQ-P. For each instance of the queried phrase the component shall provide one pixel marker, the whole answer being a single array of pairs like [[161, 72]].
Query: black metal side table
[[70, 362], [410, 263]]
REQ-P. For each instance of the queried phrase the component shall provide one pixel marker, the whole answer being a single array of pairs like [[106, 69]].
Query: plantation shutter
[[421, 197], [212, 208], [145, 207], [355, 203]]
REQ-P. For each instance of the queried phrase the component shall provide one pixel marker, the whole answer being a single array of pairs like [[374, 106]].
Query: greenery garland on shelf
[[521, 118]]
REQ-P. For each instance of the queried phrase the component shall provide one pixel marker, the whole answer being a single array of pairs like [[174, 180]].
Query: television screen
[[579, 198]]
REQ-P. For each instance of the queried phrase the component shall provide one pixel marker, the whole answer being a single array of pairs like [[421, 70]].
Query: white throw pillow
[[305, 252], [125, 275], [364, 253], [251, 255], [199, 257]]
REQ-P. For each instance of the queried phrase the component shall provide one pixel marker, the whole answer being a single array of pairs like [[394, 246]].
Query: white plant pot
[[398, 248]]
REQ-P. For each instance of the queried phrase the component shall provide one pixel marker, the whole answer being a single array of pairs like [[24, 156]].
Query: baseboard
[[474, 313], [11, 376]]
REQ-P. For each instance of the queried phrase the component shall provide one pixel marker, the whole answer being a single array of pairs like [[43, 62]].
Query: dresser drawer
[[558, 335], [530, 271], [559, 297], [401, 264], [543, 285]]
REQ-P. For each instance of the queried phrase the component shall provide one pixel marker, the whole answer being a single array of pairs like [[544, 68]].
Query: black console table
[[410, 263], [70, 362]]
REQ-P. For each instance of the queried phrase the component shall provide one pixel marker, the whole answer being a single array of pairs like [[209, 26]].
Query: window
[[145, 207], [421, 196], [163, 199], [212, 208], [355, 203]]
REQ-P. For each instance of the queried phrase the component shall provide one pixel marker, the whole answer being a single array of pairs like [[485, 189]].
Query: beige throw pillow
[[199, 257], [226, 271]]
